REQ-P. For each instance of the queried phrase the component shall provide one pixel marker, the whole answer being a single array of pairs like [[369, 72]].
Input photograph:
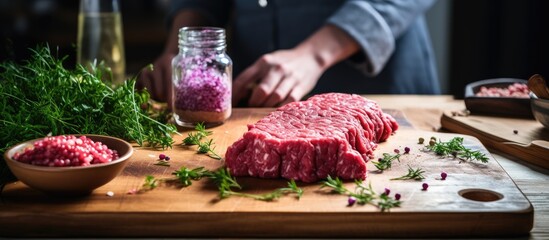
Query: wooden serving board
[[475, 200], [525, 139]]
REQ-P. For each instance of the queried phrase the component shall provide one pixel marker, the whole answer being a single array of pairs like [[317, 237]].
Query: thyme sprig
[[195, 138], [362, 194], [206, 147], [455, 148], [386, 161], [415, 174], [226, 184], [271, 196], [203, 146]]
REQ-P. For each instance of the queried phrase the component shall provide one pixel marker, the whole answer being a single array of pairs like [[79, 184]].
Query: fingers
[[158, 81], [296, 94], [266, 88], [244, 83], [281, 92]]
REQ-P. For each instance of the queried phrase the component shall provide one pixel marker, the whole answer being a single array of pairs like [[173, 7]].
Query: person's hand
[[278, 78], [286, 76], [158, 82]]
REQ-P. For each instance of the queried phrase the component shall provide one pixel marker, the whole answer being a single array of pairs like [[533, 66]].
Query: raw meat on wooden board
[[331, 134]]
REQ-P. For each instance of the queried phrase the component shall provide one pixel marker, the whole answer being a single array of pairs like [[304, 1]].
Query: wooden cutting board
[[475, 200], [525, 139]]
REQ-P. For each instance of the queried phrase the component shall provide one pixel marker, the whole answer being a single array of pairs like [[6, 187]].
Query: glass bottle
[[100, 42], [202, 77]]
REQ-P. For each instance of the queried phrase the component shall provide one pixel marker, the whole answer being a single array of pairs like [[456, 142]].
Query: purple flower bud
[[397, 196], [425, 186], [351, 201], [162, 156], [406, 150], [387, 191], [443, 175]]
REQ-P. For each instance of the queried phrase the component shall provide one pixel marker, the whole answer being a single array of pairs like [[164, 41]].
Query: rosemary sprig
[[203, 146], [455, 148], [386, 161], [224, 181], [415, 174], [362, 194]]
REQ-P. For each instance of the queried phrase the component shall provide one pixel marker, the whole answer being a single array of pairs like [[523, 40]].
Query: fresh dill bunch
[[455, 148], [415, 174], [40, 97]]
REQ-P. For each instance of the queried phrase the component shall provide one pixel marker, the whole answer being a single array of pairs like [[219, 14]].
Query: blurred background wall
[[473, 40]]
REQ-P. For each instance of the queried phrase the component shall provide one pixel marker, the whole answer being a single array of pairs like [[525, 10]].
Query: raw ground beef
[[331, 134]]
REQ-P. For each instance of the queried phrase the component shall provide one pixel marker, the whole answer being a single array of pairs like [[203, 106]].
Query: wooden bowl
[[497, 106], [540, 109], [70, 181]]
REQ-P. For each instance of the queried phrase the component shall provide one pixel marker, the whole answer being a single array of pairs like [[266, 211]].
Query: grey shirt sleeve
[[375, 25]]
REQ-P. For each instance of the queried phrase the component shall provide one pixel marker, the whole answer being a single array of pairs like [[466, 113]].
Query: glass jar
[[202, 77]]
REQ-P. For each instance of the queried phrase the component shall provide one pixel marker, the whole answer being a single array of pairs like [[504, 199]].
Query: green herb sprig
[[271, 196], [415, 174], [386, 161], [203, 146], [40, 96], [455, 148], [195, 138], [362, 194], [226, 184]]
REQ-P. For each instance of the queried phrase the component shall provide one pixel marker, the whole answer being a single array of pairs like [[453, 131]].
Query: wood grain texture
[[524, 139], [196, 211]]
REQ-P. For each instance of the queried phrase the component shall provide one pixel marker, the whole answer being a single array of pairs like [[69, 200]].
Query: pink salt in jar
[[202, 77]]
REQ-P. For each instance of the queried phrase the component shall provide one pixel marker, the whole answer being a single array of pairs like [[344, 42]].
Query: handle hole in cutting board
[[481, 195]]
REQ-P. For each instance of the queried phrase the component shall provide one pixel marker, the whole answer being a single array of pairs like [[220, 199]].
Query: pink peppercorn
[[397, 196], [396, 151], [351, 201], [162, 156], [425, 186], [387, 191], [167, 158], [443, 175], [406, 150]]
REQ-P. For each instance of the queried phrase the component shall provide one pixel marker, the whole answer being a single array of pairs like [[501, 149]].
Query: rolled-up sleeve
[[375, 25], [216, 11]]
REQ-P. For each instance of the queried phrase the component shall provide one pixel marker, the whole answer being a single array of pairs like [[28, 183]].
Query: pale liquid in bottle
[[100, 39]]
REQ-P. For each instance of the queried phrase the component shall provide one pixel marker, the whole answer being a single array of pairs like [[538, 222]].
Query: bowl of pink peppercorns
[[507, 97], [68, 164]]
